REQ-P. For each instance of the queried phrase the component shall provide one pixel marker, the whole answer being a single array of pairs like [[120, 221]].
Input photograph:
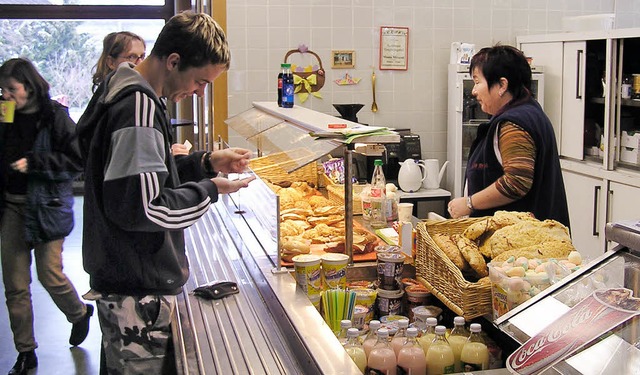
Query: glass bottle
[[372, 337], [411, 358], [440, 356], [354, 349], [475, 354], [287, 86], [428, 335], [457, 339], [401, 335], [378, 196], [382, 359], [625, 90], [345, 324]]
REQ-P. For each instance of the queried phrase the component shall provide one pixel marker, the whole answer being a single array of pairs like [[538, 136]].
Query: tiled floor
[[55, 355]]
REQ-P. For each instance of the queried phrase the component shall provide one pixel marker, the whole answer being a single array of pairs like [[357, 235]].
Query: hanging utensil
[[374, 106]]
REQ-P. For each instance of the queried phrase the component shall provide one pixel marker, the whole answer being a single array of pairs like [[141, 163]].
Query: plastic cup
[[405, 212], [307, 268], [334, 270], [7, 111]]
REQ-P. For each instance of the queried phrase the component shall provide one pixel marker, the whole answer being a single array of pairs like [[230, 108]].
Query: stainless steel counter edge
[[269, 327]]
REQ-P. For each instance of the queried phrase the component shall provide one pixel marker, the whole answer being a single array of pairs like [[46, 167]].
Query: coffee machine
[[390, 153]]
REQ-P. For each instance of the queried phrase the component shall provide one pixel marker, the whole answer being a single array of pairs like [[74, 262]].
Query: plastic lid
[[432, 321], [346, 323], [412, 332], [377, 162], [353, 332], [383, 332], [403, 323], [440, 330], [285, 65], [458, 320], [476, 327], [374, 324]]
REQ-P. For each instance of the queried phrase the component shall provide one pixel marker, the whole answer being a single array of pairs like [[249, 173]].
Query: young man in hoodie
[[135, 206]]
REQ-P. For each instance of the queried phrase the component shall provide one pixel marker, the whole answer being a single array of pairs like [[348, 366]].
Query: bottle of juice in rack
[[354, 349], [401, 335], [345, 324], [428, 335], [457, 339], [372, 337], [440, 356], [475, 355], [378, 196], [411, 358], [382, 359]]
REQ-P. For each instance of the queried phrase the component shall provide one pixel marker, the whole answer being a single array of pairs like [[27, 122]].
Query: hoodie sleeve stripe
[[164, 216]]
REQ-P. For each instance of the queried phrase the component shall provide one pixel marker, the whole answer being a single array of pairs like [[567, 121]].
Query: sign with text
[[394, 44]]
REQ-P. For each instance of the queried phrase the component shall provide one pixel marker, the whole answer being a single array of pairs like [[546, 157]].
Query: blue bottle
[[287, 86]]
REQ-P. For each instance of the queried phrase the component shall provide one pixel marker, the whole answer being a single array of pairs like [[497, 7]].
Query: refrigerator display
[[464, 117]]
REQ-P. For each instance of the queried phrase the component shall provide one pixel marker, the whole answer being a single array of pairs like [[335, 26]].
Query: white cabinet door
[[548, 56], [584, 194], [573, 100], [624, 202]]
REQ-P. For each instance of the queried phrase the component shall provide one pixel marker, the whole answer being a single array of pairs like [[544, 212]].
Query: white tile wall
[[262, 31]]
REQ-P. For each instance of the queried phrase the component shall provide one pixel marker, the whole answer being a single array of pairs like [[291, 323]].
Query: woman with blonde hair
[[118, 47]]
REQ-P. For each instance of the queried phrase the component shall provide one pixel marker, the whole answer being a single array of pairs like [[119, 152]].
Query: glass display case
[[615, 351]]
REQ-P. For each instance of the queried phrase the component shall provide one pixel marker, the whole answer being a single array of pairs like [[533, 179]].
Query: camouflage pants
[[136, 334]]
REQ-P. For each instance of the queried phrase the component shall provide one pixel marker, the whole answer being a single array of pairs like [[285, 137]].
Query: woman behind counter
[[513, 163], [38, 161]]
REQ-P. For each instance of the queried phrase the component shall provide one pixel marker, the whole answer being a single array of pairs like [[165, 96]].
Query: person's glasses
[[133, 58]]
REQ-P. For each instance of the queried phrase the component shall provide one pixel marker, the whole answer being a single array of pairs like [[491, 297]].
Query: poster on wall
[[394, 44]]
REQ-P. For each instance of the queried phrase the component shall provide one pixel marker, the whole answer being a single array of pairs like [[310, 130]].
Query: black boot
[[26, 361], [80, 329]]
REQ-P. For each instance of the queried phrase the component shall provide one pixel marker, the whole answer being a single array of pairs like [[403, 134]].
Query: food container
[[334, 270], [390, 322], [359, 316], [367, 298], [389, 302], [390, 270], [515, 281], [308, 275], [417, 295]]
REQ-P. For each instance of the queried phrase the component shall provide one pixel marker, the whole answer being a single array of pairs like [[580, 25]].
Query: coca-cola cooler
[[588, 322]]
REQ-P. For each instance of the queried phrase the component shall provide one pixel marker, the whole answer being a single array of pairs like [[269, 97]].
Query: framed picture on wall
[[394, 48], [343, 59]]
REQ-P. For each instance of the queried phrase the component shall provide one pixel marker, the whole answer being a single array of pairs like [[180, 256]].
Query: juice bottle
[[411, 359], [428, 335], [475, 355], [372, 337], [440, 356], [378, 197], [382, 359], [354, 349], [401, 335], [345, 324], [457, 339]]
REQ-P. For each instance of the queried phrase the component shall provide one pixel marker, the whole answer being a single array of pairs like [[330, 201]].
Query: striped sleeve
[[135, 191], [518, 152]]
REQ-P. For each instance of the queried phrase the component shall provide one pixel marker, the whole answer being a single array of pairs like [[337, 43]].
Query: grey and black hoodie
[[135, 206]]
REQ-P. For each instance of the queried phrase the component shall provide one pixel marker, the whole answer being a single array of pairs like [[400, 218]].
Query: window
[[65, 44]]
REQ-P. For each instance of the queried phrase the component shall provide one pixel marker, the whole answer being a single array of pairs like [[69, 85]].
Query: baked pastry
[[557, 249], [449, 245], [527, 233], [292, 245], [472, 255]]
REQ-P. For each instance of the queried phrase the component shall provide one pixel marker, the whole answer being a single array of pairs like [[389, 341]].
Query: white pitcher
[[411, 175], [434, 173]]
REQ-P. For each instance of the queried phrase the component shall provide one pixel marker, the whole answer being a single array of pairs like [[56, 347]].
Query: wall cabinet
[[595, 126]]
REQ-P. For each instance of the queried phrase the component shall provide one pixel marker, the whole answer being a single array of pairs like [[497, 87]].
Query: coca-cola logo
[[556, 334]]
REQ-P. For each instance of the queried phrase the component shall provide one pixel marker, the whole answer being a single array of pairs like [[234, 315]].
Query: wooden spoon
[[374, 106]]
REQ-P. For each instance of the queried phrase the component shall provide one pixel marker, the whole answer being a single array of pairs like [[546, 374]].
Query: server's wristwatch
[[469, 204]]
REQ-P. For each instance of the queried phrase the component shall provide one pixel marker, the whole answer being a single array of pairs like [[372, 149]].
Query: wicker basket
[[274, 167], [442, 277], [336, 195]]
